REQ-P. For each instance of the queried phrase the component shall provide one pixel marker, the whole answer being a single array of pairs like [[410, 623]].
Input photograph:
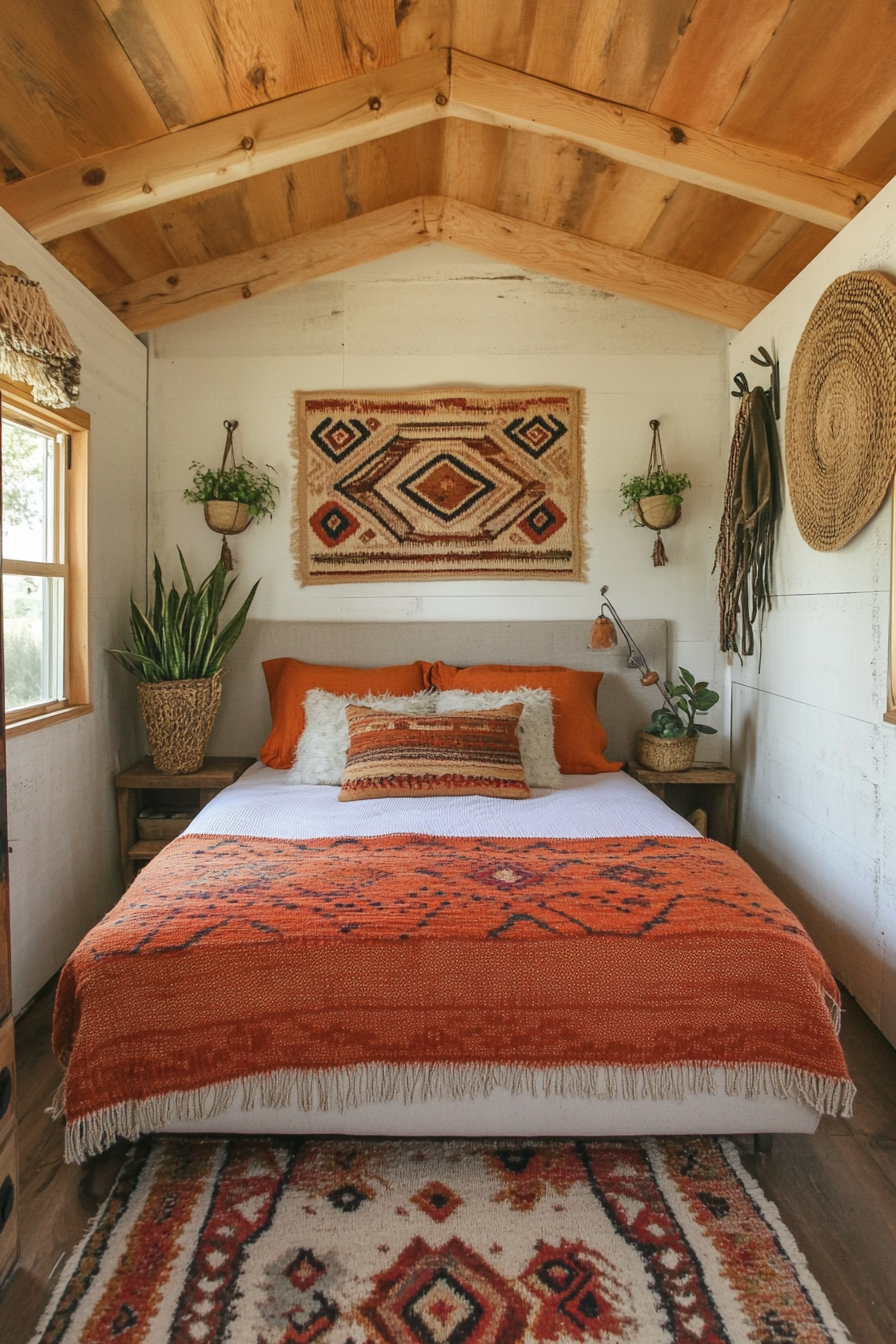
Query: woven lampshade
[[841, 410]]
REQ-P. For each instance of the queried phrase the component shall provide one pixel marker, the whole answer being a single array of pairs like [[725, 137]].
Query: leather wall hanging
[[841, 410]]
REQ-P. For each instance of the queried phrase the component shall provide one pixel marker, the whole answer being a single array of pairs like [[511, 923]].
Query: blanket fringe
[[345, 1089]]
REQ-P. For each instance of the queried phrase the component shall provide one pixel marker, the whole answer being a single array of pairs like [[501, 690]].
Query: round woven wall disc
[[841, 410]]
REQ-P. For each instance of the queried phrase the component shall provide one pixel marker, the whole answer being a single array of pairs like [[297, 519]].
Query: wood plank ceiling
[[177, 155]]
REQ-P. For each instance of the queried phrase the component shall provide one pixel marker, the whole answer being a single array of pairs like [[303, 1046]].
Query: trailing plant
[[243, 483], [636, 488], [178, 638], [683, 703]]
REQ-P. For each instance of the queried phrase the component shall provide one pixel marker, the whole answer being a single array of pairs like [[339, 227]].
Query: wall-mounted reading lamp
[[603, 636]]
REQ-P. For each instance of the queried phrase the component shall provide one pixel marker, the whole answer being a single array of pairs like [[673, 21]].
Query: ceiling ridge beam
[[187, 291], [499, 96], [410, 93], [229, 149]]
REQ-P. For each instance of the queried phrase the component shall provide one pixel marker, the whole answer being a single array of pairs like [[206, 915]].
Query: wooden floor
[[836, 1190]]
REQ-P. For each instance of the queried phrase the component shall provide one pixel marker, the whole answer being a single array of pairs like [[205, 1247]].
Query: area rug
[[288, 1241], [438, 484]]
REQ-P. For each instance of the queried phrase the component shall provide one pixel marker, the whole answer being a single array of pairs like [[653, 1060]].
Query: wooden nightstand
[[142, 786], [715, 783]]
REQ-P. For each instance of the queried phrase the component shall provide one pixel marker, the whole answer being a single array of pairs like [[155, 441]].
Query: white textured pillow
[[536, 730], [323, 746]]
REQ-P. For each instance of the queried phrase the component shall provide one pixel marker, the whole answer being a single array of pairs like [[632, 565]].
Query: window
[[44, 465]]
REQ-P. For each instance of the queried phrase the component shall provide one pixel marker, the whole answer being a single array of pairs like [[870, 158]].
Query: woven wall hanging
[[440, 483], [841, 410], [35, 346]]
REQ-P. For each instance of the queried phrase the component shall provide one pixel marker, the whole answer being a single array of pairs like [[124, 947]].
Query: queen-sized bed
[[578, 963], [575, 962]]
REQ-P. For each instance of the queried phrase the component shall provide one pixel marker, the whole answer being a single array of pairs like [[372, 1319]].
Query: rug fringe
[[346, 1089]]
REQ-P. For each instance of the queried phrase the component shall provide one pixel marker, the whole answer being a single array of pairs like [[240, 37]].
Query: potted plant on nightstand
[[670, 743], [177, 656], [231, 495]]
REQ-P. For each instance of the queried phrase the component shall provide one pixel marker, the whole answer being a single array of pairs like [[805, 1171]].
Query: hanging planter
[[227, 516], [654, 500], [233, 495]]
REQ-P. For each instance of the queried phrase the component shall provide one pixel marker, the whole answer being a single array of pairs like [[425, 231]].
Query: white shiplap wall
[[64, 872], [437, 315], [818, 813]]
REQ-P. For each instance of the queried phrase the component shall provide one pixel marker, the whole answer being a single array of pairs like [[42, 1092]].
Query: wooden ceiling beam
[[367, 107], [229, 149], [497, 95], [572, 257], [187, 291]]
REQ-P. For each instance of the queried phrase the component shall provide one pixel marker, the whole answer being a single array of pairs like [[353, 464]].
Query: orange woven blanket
[[233, 958]]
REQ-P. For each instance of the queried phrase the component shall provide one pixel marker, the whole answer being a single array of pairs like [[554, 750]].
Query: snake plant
[[179, 638]]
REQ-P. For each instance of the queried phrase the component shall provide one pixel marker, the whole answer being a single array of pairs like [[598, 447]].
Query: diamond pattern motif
[[442, 483]]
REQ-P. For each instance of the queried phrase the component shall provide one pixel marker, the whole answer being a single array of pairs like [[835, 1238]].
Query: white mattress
[[265, 802]]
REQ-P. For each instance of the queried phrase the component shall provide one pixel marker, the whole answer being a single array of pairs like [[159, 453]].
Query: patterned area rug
[[286, 1241], [438, 484]]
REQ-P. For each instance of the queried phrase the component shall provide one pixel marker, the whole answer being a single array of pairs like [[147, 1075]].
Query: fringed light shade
[[35, 346]]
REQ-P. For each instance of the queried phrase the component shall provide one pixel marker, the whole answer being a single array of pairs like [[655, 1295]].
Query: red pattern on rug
[[232, 957], [288, 1241]]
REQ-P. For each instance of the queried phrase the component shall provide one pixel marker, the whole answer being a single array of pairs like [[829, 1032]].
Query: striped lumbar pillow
[[397, 756]]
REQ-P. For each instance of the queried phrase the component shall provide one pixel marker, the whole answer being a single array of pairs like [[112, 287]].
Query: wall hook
[[773, 391]]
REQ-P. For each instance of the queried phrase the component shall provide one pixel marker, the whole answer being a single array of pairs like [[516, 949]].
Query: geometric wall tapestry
[[439, 483]]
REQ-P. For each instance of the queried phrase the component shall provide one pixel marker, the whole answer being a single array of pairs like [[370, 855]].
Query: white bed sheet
[[266, 803]]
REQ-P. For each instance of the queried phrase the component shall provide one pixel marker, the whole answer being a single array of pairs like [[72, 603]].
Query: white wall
[[63, 863], [818, 763], [437, 315]]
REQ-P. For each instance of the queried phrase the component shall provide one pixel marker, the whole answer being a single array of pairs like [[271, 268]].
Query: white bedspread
[[265, 803]]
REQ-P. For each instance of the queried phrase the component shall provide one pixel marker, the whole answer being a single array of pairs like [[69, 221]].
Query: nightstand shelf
[[713, 783], [142, 786]]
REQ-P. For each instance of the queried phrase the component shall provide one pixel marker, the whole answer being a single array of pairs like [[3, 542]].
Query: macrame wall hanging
[[35, 347]]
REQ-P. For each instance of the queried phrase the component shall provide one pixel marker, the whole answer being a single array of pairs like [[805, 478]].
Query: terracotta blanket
[[286, 963]]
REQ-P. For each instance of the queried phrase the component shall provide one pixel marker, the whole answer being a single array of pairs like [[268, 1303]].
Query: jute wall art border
[[841, 410], [440, 483]]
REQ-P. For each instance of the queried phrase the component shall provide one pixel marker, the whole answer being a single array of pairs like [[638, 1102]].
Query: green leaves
[[180, 640], [691, 698], [669, 483], [244, 484]]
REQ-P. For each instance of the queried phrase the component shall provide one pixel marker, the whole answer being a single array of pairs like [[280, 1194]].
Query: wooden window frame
[[18, 403]]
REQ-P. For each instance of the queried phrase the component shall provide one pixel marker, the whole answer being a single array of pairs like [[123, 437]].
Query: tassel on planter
[[659, 552], [226, 555]]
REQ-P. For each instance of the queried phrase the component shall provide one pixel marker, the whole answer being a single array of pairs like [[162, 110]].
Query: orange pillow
[[580, 739], [289, 680]]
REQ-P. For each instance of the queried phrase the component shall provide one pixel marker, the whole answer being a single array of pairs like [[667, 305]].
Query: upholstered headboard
[[625, 705]]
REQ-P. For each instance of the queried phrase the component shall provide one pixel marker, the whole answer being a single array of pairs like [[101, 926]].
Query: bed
[[579, 963]]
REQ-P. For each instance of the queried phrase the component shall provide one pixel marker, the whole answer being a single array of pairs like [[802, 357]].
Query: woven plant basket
[[179, 717], [658, 512], [666, 753], [227, 516]]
